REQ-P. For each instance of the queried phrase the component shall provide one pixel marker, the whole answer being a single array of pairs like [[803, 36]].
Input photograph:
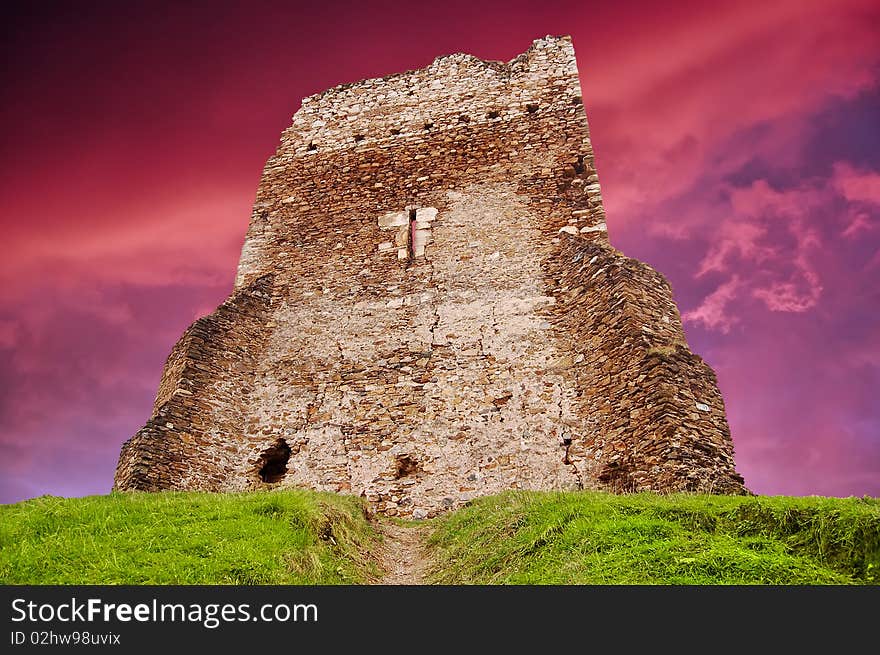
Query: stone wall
[[654, 418], [427, 309], [192, 438]]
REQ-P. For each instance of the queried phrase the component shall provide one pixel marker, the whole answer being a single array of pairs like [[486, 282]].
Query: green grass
[[289, 537], [596, 538], [303, 537]]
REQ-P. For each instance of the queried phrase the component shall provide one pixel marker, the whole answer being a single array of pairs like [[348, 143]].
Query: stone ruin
[[428, 309]]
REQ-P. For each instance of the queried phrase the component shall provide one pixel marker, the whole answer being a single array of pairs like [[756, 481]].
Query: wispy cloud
[[714, 312]]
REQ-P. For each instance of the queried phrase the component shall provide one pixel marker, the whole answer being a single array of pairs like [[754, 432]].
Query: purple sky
[[738, 149]]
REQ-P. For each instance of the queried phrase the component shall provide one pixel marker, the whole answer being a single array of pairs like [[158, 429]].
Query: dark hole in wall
[[464, 119], [273, 462], [404, 465], [532, 107], [617, 477], [395, 132], [493, 114], [577, 100], [428, 126], [579, 164], [312, 146], [358, 137]]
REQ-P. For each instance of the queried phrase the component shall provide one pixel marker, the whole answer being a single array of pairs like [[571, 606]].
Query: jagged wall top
[[456, 85], [380, 144]]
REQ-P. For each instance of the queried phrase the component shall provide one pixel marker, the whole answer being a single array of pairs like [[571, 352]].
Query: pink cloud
[[861, 188], [857, 186], [860, 222], [735, 238], [767, 242], [713, 311], [795, 296], [692, 86], [193, 241]]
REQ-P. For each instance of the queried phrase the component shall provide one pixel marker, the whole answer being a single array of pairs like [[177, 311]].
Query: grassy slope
[[594, 538], [300, 537], [291, 537]]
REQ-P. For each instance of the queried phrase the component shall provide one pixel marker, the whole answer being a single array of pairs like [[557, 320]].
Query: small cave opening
[[312, 147], [493, 114], [273, 462], [429, 126], [464, 119], [358, 137], [532, 107], [405, 465]]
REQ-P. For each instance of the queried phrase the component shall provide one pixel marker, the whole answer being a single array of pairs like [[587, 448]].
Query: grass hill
[[596, 538], [284, 537], [302, 537]]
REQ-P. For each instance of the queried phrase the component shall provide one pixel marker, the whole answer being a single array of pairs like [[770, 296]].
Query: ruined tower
[[427, 309]]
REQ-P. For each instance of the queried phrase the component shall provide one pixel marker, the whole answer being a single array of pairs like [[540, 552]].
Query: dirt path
[[403, 554]]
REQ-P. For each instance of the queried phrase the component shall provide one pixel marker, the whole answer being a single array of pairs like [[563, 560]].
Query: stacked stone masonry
[[427, 309]]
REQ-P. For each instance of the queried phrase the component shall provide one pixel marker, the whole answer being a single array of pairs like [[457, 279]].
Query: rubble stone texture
[[428, 309]]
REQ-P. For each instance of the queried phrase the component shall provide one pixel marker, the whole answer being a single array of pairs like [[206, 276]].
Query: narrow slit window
[[411, 236], [408, 232]]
